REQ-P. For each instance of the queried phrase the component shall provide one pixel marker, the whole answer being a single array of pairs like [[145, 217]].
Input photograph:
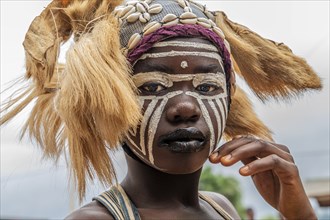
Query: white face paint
[[184, 64], [213, 107], [154, 107]]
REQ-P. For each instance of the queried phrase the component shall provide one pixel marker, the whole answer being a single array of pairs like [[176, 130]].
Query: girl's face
[[183, 96]]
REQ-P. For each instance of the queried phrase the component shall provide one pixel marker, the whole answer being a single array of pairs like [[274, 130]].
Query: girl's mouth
[[183, 140]]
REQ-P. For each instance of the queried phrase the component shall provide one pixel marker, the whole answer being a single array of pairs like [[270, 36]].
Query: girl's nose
[[183, 111]]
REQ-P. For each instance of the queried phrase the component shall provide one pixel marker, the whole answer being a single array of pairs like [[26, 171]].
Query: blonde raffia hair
[[89, 103]]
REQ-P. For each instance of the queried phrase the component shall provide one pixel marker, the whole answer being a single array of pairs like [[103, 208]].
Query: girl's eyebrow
[[155, 67], [212, 68]]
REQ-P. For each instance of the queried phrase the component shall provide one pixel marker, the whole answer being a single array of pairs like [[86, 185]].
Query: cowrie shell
[[187, 9], [169, 17], [145, 17], [189, 21], [127, 11], [118, 10], [206, 25], [173, 22], [212, 23], [155, 9], [219, 32], [145, 5], [140, 8], [183, 3], [188, 15], [151, 27], [205, 20], [133, 17], [134, 40], [209, 14], [132, 2]]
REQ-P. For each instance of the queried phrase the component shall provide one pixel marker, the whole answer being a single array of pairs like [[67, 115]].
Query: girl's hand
[[273, 171]]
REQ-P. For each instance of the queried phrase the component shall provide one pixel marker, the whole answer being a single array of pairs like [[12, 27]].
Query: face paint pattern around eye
[[167, 80]]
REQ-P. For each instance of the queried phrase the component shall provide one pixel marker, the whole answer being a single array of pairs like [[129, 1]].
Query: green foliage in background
[[225, 185], [269, 217]]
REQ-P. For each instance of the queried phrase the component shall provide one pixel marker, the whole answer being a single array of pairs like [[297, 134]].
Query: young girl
[[158, 79]]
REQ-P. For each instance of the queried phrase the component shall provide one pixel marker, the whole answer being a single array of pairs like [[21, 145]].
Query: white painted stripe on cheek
[[154, 122], [225, 103], [217, 117], [222, 112], [132, 142], [206, 116], [225, 111], [146, 117], [208, 120]]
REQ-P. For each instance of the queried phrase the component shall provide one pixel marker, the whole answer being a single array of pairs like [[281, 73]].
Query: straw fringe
[[97, 101], [96, 104], [269, 68], [242, 120]]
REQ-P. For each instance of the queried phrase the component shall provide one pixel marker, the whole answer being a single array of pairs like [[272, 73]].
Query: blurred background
[[32, 188]]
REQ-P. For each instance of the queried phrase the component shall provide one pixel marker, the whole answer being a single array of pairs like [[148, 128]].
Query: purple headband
[[186, 30]]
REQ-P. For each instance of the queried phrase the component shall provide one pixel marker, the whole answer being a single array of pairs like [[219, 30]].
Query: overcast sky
[[31, 188]]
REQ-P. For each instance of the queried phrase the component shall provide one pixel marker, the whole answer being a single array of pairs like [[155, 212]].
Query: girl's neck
[[148, 187]]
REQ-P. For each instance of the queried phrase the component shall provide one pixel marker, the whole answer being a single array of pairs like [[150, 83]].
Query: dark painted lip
[[183, 140]]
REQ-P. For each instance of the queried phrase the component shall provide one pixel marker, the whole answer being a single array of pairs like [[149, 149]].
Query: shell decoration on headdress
[[89, 103]]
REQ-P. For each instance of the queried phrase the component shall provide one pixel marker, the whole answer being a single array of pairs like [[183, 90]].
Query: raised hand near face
[[273, 171]]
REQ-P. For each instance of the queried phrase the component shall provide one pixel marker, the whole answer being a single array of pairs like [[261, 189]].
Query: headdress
[[90, 103]]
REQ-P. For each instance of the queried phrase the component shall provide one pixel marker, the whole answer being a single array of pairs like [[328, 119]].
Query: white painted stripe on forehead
[[198, 45], [174, 53]]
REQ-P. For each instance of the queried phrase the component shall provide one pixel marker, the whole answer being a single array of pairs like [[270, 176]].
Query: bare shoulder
[[223, 202], [92, 210]]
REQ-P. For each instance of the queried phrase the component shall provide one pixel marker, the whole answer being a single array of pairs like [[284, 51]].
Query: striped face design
[[206, 90]]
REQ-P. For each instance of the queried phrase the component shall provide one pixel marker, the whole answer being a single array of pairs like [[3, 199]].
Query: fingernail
[[237, 137], [215, 154], [245, 169], [227, 157]]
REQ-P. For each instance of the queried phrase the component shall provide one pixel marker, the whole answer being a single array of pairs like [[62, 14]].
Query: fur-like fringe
[[242, 120], [96, 104], [83, 14], [269, 68], [97, 101]]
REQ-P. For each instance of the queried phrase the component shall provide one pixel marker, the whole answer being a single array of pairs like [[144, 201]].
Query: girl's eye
[[206, 87], [151, 87]]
